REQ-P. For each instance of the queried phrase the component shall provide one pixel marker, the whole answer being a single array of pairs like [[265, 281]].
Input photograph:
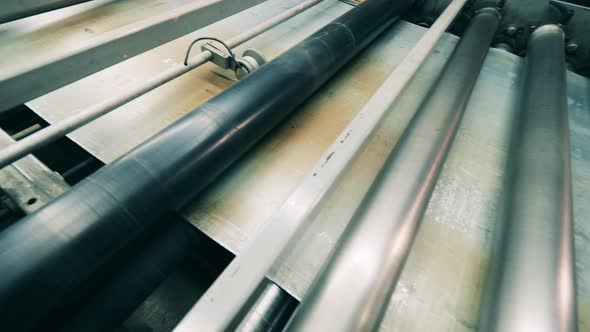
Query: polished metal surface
[[29, 182], [46, 57], [535, 286], [362, 272], [443, 276], [57, 130], [270, 312]]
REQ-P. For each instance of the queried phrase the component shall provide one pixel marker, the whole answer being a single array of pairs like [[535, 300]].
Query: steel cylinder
[[270, 312], [533, 287], [359, 277], [131, 284]]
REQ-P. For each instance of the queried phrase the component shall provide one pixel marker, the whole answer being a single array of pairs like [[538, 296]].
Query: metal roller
[[21, 148], [270, 312], [358, 279], [78, 233], [16, 9], [534, 289], [113, 302], [27, 79], [236, 288]]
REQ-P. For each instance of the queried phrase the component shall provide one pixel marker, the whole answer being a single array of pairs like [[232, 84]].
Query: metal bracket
[[219, 56], [248, 63]]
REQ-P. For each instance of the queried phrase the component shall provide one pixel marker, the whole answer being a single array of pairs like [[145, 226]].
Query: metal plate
[[443, 279]]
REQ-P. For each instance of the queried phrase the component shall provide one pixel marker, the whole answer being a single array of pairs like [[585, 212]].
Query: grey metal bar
[[270, 312], [245, 273], [36, 79], [16, 9], [358, 279], [29, 182], [535, 289], [49, 134]]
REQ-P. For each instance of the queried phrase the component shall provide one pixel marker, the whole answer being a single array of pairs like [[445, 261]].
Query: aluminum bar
[[233, 289], [360, 275], [50, 134], [27, 80], [535, 289], [16, 9], [82, 230]]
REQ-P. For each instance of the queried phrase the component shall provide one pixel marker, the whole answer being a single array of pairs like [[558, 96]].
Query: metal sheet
[[443, 278]]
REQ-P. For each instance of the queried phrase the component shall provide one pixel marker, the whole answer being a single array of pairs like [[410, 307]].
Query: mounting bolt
[[425, 22], [571, 47], [511, 30]]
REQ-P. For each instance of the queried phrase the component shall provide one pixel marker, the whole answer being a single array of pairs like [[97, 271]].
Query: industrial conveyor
[[368, 173]]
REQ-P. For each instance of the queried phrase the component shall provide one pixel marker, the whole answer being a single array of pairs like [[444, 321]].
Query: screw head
[[571, 47], [511, 30]]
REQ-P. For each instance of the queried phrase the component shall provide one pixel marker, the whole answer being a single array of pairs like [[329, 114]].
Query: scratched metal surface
[[442, 282]]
